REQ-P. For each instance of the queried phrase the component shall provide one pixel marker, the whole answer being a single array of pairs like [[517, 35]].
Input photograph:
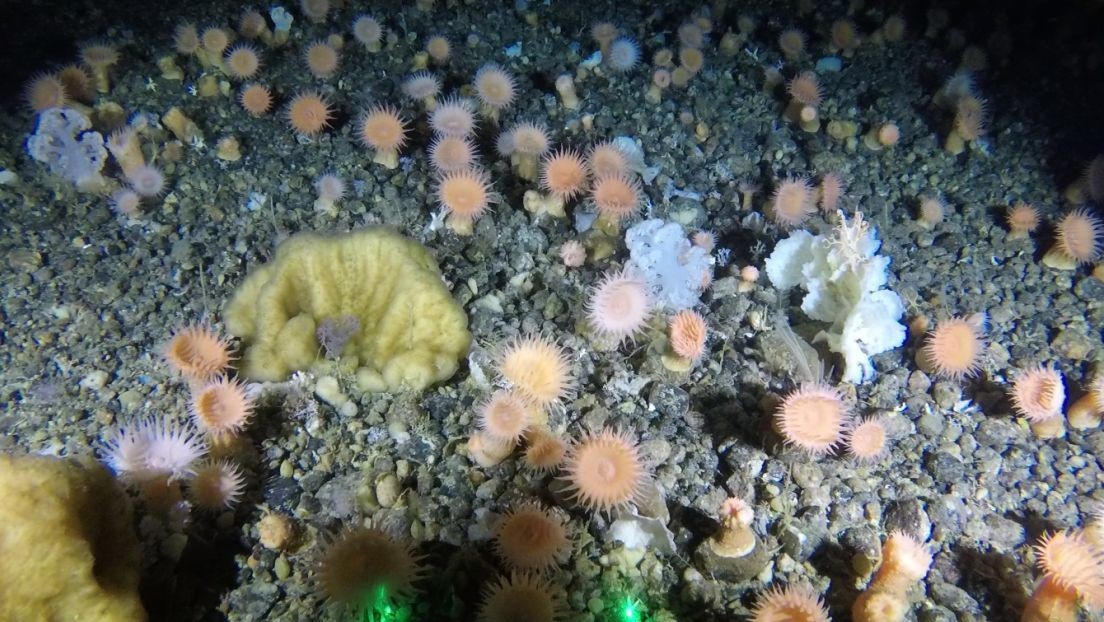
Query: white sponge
[[844, 280]]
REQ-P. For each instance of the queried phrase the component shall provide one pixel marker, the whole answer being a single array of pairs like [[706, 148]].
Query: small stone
[[388, 490], [282, 568]]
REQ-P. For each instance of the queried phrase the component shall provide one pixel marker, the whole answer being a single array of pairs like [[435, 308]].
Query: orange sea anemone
[[186, 38], [616, 196], [438, 49], [969, 121], [1073, 569], [494, 86], [368, 31], [563, 174], [45, 91], [465, 194], [242, 61], [363, 561], [1022, 219], [545, 451], [604, 470], [308, 113], [382, 129], [522, 596], [954, 349], [1038, 394], [530, 139], [792, 202], [322, 59], [797, 602], [606, 158], [537, 369], [831, 190], [1078, 238], [867, 439], [452, 153], [805, 89], [215, 41], [530, 537], [504, 416], [216, 485], [814, 417], [792, 43], [453, 117], [422, 85], [221, 407], [256, 99], [198, 353], [686, 330]]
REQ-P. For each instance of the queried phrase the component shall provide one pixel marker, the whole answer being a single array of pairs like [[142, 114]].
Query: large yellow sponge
[[67, 545], [410, 332]]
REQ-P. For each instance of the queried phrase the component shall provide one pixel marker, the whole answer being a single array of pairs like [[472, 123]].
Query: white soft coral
[[844, 279]]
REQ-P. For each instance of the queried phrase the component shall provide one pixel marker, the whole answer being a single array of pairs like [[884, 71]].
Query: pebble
[[282, 568], [388, 489]]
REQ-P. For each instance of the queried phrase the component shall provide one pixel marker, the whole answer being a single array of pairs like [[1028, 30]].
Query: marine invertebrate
[[1073, 569], [322, 59], [792, 43], [315, 10], [423, 86], [126, 202], [186, 38], [969, 123], [438, 49], [931, 212], [563, 174], [362, 561], [1038, 395], [495, 88], [368, 32], [905, 562], [256, 99], [1078, 239], [831, 190], [452, 153], [572, 253], [545, 451], [954, 348], [453, 117], [615, 196], [464, 195], [309, 113], [530, 537], [619, 306], [252, 25], [797, 602], [504, 416], [242, 61], [603, 34], [521, 596], [100, 58], [604, 470], [565, 87], [412, 332], [624, 54], [217, 485], [382, 129], [221, 407], [866, 440], [606, 158], [792, 202], [45, 91], [536, 368], [530, 142], [153, 449], [686, 331], [813, 417], [146, 180], [198, 353], [1022, 219]]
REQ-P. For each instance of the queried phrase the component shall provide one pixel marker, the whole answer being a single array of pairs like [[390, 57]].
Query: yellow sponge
[[411, 332], [67, 546]]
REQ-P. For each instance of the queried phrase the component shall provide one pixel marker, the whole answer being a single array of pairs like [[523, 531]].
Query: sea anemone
[[147, 180], [797, 602], [1073, 567], [308, 113], [382, 129], [242, 61], [439, 49], [494, 87], [521, 596], [252, 24], [256, 99], [322, 59], [221, 407], [831, 190], [687, 331], [330, 187], [150, 449], [955, 347], [504, 416], [932, 211], [792, 43], [1078, 239], [905, 561], [624, 54], [792, 202], [186, 38], [572, 253], [217, 485], [530, 142], [537, 369], [423, 86], [603, 34], [452, 153], [531, 538], [215, 40], [545, 451], [367, 31], [616, 196], [126, 202], [45, 91], [464, 195], [606, 158], [866, 440], [1022, 219], [198, 353], [315, 10], [814, 418], [363, 561], [1038, 394], [619, 306], [563, 174], [604, 470], [805, 89], [453, 117]]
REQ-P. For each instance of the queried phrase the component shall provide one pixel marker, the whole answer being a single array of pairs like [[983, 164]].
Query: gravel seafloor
[[89, 298]]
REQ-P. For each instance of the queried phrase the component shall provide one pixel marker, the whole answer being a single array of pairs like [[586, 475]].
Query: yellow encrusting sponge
[[408, 331]]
